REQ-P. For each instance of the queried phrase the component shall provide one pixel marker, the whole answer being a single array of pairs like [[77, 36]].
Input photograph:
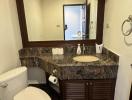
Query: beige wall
[[34, 19], [116, 11], [10, 40]]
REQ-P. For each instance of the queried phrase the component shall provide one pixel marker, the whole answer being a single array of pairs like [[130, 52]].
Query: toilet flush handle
[[3, 85]]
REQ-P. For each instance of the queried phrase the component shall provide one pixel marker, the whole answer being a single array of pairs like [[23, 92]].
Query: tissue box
[[57, 51]]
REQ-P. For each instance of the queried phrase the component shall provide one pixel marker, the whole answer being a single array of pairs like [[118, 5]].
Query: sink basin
[[85, 58]]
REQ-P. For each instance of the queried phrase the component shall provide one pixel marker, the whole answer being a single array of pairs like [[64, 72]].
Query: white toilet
[[13, 85]]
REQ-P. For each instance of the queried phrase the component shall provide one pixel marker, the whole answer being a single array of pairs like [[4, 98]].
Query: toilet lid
[[32, 93]]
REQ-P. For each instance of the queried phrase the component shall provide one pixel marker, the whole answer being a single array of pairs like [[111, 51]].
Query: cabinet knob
[[91, 83], [87, 83]]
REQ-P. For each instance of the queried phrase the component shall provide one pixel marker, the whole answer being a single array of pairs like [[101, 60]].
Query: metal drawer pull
[[87, 83], [91, 83]]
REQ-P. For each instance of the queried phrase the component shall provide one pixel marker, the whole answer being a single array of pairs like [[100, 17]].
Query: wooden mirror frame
[[27, 43]]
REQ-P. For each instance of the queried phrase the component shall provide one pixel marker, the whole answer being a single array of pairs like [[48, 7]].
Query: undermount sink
[[85, 58]]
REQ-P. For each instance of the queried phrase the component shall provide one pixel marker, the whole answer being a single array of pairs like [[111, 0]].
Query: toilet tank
[[14, 80]]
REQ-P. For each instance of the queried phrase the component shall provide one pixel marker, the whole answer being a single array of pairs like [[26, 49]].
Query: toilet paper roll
[[53, 79]]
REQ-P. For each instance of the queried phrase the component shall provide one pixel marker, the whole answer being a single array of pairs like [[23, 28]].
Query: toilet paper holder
[[54, 71]]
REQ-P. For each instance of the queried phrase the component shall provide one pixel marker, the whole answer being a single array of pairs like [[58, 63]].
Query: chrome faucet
[[83, 51]]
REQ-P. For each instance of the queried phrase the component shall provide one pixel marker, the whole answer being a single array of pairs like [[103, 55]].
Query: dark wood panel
[[22, 22], [88, 89], [102, 89], [100, 20], [73, 90]]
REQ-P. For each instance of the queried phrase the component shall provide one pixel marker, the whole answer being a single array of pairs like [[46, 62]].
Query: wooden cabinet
[[87, 89], [101, 90], [73, 90]]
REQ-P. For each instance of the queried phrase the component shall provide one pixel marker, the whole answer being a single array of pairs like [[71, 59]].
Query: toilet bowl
[[14, 86], [32, 93]]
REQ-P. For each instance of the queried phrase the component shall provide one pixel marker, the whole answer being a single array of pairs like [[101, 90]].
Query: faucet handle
[[83, 46]]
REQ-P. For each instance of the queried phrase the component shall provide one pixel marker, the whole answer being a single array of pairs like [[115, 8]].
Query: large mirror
[[60, 20], [49, 20]]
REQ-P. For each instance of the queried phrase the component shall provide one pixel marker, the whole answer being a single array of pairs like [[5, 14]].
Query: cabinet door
[[101, 89], [73, 90]]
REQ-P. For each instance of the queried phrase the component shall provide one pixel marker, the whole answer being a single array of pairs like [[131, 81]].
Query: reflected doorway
[[74, 21]]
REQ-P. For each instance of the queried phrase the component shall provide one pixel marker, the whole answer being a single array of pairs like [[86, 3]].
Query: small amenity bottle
[[78, 49]]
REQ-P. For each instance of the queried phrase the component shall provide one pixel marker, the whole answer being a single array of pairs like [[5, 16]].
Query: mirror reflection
[[51, 20]]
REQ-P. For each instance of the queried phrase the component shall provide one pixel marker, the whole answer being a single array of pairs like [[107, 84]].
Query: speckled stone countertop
[[67, 68]]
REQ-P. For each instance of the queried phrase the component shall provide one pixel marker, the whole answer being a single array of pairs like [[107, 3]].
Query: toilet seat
[[32, 93]]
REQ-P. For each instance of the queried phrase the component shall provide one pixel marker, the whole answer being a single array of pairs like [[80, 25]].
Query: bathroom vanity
[[83, 81], [77, 80]]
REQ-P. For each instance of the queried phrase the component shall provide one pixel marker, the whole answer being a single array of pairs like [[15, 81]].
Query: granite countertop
[[67, 68], [67, 61]]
